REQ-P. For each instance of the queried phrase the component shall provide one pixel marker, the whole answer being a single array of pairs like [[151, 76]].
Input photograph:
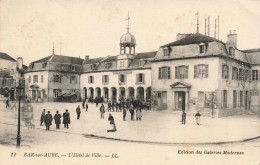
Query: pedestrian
[[112, 123], [78, 112], [113, 106], [197, 116], [42, 116], [7, 103], [48, 120], [86, 106], [83, 104], [138, 114], [102, 111], [183, 117], [66, 119], [57, 118], [132, 112], [124, 114]]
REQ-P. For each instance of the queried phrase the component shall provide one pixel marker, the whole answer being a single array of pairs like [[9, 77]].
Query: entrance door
[[11, 94], [33, 95], [181, 100]]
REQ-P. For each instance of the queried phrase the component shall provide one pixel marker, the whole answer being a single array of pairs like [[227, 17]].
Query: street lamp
[[19, 90]]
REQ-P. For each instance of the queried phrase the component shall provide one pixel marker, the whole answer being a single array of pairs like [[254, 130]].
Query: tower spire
[[197, 21], [128, 18], [53, 48]]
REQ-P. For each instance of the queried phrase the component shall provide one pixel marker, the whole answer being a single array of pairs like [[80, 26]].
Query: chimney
[[86, 58], [232, 39], [20, 63], [180, 36]]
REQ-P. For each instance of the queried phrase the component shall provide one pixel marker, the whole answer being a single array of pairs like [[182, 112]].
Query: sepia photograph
[[130, 82]]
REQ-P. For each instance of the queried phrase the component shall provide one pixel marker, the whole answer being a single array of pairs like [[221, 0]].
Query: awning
[[34, 86]]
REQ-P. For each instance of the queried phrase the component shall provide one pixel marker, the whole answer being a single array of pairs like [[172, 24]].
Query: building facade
[[11, 75], [198, 72], [127, 75], [48, 78]]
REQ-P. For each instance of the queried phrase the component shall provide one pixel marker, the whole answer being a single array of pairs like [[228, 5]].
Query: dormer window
[[93, 66], [44, 64], [166, 51], [73, 67], [122, 64], [31, 65], [231, 51], [108, 65]]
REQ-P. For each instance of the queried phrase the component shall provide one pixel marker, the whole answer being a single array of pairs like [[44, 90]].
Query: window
[[31, 65], [235, 73], [201, 71], [181, 72], [73, 80], [234, 99], [140, 78], [122, 64], [73, 67], [241, 99], [202, 48], [231, 51], [255, 75], [35, 79], [164, 73], [42, 78], [225, 71], [246, 76], [241, 74], [57, 78], [105, 79], [165, 52], [142, 63], [90, 79], [44, 64], [93, 66], [4, 82], [30, 79], [224, 98], [121, 78], [108, 65], [56, 92], [12, 82]]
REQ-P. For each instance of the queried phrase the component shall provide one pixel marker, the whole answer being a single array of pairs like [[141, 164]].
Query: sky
[[78, 28]]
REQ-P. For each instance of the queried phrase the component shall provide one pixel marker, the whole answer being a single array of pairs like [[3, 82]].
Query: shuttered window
[[164, 73], [225, 71], [201, 71], [181, 72]]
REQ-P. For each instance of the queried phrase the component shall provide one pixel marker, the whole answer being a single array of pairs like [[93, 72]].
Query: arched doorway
[[105, 93], [113, 94], [98, 92], [91, 93], [140, 93], [131, 93], [85, 93], [121, 92], [148, 94]]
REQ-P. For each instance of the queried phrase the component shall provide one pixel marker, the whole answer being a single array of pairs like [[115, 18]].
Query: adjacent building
[[11, 75], [198, 72], [46, 79]]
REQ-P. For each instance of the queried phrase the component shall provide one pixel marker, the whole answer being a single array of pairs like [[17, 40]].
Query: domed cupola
[[127, 41]]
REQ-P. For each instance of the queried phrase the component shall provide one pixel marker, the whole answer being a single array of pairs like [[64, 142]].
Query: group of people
[[47, 119], [183, 118]]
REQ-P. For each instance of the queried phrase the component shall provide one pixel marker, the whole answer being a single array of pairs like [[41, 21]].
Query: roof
[[6, 56], [192, 39], [94, 60], [180, 85], [254, 57], [61, 59], [146, 55], [251, 50]]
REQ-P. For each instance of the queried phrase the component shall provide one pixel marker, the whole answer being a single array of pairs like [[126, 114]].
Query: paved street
[[162, 127], [155, 126]]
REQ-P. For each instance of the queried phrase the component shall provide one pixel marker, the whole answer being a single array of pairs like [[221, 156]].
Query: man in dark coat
[[113, 106], [86, 106], [57, 118], [183, 118], [109, 107], [124, 114], [78, 112], [83, 104], [66, 119], [48, 120], [132, 112], [42, 116], [7, 103]]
